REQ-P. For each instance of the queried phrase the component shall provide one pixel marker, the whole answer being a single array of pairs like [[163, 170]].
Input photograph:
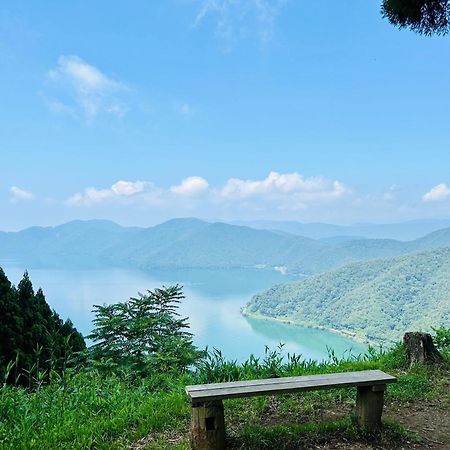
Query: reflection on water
[[213, 302]]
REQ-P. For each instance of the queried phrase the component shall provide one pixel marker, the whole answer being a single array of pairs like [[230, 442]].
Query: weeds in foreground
[[86, 411], [215, 368], [90, 409]]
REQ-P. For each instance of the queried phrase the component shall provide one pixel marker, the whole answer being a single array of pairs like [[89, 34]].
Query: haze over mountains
[[404, 231], [193, 243]]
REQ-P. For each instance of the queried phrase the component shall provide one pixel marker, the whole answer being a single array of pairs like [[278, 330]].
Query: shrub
[[144, 334], [442, 338]]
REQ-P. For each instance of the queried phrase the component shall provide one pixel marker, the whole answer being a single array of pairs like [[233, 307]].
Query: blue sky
[[226, 109]]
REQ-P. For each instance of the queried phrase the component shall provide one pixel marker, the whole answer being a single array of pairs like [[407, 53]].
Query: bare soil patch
[[430, 419]]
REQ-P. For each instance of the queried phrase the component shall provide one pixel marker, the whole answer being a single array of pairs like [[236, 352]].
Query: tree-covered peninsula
[[375, 300]]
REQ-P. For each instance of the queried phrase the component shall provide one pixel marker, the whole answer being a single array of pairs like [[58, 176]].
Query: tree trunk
[[420, 348]]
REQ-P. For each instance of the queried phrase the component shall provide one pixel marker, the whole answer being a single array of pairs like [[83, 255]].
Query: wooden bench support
[[369, 406], [208, 426]]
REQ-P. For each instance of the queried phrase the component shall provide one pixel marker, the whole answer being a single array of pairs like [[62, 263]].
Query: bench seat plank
[[219, 391]]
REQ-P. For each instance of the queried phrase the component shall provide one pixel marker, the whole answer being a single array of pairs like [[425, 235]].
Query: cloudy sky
[[221, 109]]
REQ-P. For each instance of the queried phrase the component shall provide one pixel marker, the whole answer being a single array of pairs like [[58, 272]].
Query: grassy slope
[[90, 411], [376, 300]]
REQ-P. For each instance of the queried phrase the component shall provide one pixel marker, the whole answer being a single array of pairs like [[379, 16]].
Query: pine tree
[[11, 322], [31, 334], [425, 17]]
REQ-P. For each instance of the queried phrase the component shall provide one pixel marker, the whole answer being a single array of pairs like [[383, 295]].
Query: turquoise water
[[213, 301]]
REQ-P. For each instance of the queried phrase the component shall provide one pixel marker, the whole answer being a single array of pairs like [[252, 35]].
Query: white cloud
[[87, 87], [238, 18], [128, 187], [119, 190], [18, 194], [438, 193], [191, 186], [83, 76], [277, 192], [291, 185]]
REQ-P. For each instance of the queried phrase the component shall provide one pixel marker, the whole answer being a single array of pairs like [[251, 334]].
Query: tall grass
[[89, 409], [216, 368]]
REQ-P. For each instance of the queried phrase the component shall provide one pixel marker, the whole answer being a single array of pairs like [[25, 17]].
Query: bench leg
[[208, 426], [369, 406]]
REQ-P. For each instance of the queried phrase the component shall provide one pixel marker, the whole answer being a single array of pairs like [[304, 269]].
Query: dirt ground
[[428, 420]]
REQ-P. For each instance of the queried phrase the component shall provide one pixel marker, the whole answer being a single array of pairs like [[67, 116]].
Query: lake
[[213, 301]]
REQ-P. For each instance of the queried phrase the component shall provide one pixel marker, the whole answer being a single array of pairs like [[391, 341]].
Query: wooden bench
[[208, 425]]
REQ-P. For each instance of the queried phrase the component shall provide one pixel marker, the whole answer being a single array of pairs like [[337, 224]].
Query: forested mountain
[[222, 245], [78, 243], [146, 242], [376, 300], [439, 238], [192, 243], [347, 251], [176, 243]]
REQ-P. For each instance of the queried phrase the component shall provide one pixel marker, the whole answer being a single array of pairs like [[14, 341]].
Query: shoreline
[[347, 334]]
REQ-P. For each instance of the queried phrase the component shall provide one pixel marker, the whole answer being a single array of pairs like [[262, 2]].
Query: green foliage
[[377, 300], [411, 386], [215, 368], [395, 358], [422, 16], [87, 410], [147, 357], [442, 338], [33, 339], [144, 334], [93, 410]]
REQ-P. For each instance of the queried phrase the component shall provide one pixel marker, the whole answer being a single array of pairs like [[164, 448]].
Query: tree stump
[[420, 348]]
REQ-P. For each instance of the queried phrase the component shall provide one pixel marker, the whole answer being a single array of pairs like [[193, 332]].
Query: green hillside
[[222, 245], [376, 300], [334, 256], [140, 247]]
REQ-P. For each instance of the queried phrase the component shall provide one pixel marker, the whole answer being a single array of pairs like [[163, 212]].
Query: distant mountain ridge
[[403, 231], [175, 243], [78, 243], [374, 300], [193, 243]]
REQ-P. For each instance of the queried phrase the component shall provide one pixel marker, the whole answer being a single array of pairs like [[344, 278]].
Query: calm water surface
[[213, 301]]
